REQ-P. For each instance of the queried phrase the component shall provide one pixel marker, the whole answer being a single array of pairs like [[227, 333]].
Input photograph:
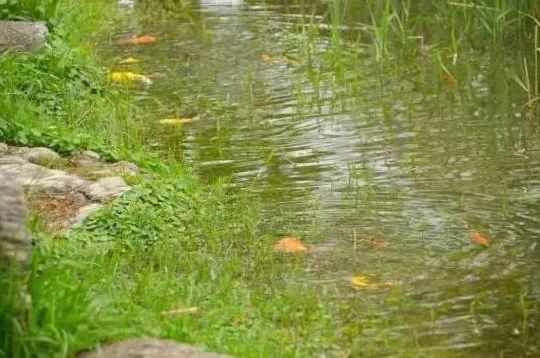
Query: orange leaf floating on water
[[479, 239], [449, 80], [290, 245], [138, 40], [380, 244]]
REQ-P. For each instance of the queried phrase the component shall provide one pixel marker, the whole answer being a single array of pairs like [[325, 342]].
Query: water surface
[[381, 167]]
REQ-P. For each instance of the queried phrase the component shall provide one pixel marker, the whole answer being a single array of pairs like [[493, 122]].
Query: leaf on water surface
[[177, 121], [129, 61], [138, 40], [380, 244], [269, 58], [362, 282], [290, 245], [129, 77], [479, 239], [449, 80]]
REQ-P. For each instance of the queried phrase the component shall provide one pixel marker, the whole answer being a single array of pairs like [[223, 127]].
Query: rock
[[22, 35], [15, 240], [19, 152], [87, 157], [25, 173], [15, 245], [3, 149], [42, 155], [59, 182], [84, 213], [124, 167], [149, 348], [12, 159], [47, 180], [106, 189]]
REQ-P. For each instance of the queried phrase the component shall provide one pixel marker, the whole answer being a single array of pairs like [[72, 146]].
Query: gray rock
[[22, 35], [11, 159], [15, 240], [106, 189], [124, 167], [3, 148], [20, 152], [87, 157], [47, 180], [26, 173], [40, 154], [84, 213], [59, 182], [149, 348]]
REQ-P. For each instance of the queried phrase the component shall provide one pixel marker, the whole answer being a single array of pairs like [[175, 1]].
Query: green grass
[[167, 245]]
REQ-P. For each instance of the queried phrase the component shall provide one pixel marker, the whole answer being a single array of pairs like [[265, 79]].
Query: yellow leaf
[[269, 58], [173, 121], [129, 77], [181, 311], [129, 61], [290, 245], [362, 282]]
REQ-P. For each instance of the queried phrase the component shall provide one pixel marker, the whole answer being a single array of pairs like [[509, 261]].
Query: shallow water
[[379, 166]]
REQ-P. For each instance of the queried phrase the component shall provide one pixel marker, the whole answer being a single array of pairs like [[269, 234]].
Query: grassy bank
[[170, 244]]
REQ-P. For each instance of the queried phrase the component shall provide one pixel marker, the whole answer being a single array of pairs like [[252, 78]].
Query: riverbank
[[172, 258], [397, 140]]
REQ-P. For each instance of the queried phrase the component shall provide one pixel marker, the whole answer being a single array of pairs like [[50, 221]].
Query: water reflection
[[364, 151]]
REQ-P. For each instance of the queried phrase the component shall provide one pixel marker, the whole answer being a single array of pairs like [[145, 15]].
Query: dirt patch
[[57, 211]]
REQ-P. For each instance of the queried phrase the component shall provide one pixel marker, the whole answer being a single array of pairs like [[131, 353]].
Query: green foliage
[[46, 10]]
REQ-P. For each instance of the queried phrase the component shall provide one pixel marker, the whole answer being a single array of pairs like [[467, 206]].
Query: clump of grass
[[173, 244], [30, 9]]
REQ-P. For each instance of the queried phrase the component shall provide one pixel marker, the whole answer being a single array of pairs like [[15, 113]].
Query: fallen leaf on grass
[[269, 58], [181, 311], [129, 61], [362, 282], [479, 239], [138, 40], [290, 245], [176, 121], [129, 77]]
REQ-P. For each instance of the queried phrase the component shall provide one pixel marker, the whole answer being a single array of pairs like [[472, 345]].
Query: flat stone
[[84, 213], [106, 189], [41, 154], [59, 182], [26, 173], [149, 348], [20, 152], [124, 167], [22, 35], [3, 148], [11, 159], [48, 180], [87, 157]]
